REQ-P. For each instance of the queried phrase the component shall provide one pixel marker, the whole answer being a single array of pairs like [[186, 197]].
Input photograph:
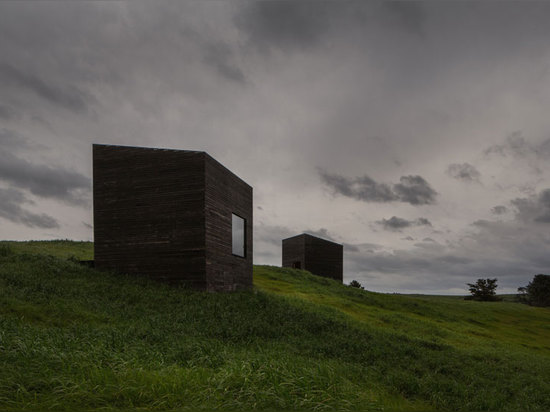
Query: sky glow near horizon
[[415, 133]]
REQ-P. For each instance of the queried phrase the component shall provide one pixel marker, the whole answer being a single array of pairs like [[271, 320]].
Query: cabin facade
[[177, 216], [319, 256]]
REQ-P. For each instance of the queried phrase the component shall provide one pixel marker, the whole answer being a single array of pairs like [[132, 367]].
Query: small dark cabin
[[177, 216], [319, 256]]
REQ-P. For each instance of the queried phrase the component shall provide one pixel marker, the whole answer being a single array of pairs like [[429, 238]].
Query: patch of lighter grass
[[449, 319]]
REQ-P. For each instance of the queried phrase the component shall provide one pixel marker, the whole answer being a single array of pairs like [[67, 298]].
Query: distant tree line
[[355, 284], [483, 289], [536, 293]]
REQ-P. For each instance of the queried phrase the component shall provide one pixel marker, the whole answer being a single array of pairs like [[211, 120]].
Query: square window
[[238, 227]]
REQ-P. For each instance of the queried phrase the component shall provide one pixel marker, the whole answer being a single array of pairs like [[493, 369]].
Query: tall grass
[[75, 338]]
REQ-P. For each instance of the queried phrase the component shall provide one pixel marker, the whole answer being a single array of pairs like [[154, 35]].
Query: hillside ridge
[[75, 338]]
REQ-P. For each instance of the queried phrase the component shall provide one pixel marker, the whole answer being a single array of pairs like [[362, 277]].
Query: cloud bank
[[397, 223], [414, 190]]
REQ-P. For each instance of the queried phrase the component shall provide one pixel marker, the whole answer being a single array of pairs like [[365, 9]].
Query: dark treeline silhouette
[[483, 289], [537, 292]]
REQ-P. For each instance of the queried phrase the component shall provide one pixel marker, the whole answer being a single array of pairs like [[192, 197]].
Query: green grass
[[59, 248], [75, 338]]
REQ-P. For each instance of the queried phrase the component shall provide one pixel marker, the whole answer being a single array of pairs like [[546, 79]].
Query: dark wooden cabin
[[177, 216], [319, 256]]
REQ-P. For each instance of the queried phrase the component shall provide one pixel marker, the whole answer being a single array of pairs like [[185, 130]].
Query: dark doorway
[[297, 265]]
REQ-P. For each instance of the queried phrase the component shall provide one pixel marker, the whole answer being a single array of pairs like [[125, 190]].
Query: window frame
[[244, 240]]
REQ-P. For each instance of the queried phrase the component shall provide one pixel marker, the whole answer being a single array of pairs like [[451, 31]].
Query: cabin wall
[[149, 213], [294, 251], [320, 257], [324, 258], [226, 194]]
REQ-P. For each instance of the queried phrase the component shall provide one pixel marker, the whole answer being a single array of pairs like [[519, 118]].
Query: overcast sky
[[415, 133]]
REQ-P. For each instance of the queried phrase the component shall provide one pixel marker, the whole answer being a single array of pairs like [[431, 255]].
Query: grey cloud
[[322, 233], [544, 218], [10, 209], [544, 201], [68, 97], [272, 235], [391, 262], [369, 247], [266, 256], [45, 181], [7, 112], [454, 259], [535, 208], [409, 14], [465, 172], [526, 208], [509, 250], [219, 56], [544, 198], [396, 223], [437, 268], [14, 142], [415, 190], [483, 223], [325, 234], [360, 188], [348, 247], [369, 190], [422, 221], [431, 245], [543, 149], [285, 24], [517, 146], [411, 189], [300, 25], [12, 139], [499, 210], [355, 71]]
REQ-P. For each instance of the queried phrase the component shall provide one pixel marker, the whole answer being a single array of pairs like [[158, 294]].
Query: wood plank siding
[[294, 252], [152, 216], [319, 256], [226, 194]]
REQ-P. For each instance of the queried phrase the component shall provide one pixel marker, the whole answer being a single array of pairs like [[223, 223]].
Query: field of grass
[[75, 338]]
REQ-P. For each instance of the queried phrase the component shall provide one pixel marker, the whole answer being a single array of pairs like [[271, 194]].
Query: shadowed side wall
[[149, 213], [324, 258], [226, 194]]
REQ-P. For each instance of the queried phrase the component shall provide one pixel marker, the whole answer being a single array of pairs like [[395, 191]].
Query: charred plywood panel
[[319, 256], [151, 215]]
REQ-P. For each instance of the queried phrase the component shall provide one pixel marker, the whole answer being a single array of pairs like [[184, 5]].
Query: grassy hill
[[75, 338]]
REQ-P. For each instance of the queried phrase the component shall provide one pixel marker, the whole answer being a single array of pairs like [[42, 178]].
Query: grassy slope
[[71, 337]]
